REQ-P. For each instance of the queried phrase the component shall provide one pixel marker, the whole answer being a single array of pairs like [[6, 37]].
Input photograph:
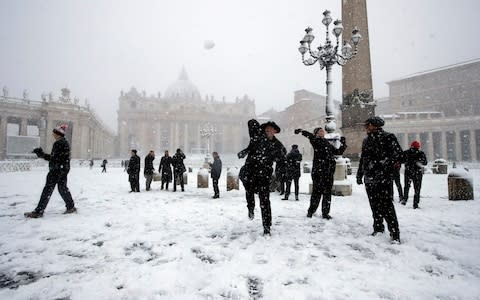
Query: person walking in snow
[[165, 169], [415, 160], [216, 171], [381, 153], [104, 166], [133, 171], [323, 169], [59, 166], [293, 171], [263, 150], [178, 169], [148, 169]]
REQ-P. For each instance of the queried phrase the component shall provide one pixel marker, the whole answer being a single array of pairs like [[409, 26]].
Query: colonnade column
[[458, 146], [23, 127], [473, 146], [430, 154], [3, 137]]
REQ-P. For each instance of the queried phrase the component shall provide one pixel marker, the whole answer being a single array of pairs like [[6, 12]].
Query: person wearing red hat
[[415, 160], [59, 166]]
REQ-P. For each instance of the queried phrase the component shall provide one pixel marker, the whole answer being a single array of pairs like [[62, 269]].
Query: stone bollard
[[232, 179], [306, 168], [460, 185], [341, 186], [440, 166], [202, 178]]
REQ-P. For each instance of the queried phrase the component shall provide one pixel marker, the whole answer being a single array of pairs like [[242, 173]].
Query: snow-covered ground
[[165, 245]]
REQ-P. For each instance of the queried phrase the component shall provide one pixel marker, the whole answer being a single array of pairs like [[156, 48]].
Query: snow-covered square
[[165, 245]]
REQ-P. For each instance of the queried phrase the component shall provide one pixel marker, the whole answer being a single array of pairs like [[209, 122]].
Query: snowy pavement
[[165, 245]]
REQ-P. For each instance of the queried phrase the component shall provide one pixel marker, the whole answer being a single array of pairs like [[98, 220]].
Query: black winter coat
[[177, 163], [262, 153], [323, 156], [380, 153], [293, 164], [133, 170], [59, 159], [414, 160], [165, 168], [216, 168], [148, 170]]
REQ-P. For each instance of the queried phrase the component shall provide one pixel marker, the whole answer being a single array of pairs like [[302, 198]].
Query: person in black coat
[[293, 171], [414, 160], [381, 154], [148, 169], [178, 169], [133, 171], [263, 150], [216, 171], [59, 166], [165, 169], [104, 166], [323, 169]]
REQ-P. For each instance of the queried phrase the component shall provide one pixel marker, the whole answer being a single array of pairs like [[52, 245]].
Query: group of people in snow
[[379, 166]]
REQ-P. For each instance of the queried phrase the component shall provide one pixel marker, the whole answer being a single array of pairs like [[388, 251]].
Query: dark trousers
[[178, 178], [104, 170], [289, 184], [396, 178], [380, 196], [417, 185], [60, 180], [215, 187], [165, 183], [322, 190], [264, 196], [148, 181], [135, 185]]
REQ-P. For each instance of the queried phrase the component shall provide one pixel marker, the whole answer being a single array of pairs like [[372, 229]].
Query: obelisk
[[357, 103]]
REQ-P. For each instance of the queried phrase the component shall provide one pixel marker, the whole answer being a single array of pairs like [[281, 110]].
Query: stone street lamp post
[[208, 130], [327, 56]]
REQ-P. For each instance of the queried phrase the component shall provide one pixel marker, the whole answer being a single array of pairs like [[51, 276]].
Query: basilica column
[[185, 138]]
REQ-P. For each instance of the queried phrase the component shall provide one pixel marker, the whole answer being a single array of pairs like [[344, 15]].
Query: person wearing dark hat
[[178, 169], [293, 171], [215, 172], [323, 169], [165, 169], [381, 154], [59, 166], [415, 160], [263, 150], [133, 171], [148, 169]]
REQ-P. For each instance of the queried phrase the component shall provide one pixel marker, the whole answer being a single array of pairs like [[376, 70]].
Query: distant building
[[181, 118], [26, 124], [440, 108]]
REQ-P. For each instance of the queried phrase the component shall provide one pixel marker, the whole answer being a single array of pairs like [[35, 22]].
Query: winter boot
[[70, 211], [375, 232], [327, 217], [251, 214], [33, 214], [285, 197], [266, 230], [296, 197], [395, 238], [309, 215]]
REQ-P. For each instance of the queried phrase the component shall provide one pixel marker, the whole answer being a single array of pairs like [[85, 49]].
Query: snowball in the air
[[208, 44]]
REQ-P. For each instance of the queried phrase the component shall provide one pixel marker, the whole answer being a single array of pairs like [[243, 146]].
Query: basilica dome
[[182, 88]]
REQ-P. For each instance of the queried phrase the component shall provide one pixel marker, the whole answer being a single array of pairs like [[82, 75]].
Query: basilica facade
[[181, 118]]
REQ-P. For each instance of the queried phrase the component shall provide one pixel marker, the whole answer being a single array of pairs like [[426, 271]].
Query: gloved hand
[[359, 180], [38, 151], [297, 131], [241, 154], [342, 140]]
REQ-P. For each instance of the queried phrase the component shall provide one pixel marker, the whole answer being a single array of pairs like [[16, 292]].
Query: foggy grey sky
[[97, 48]]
